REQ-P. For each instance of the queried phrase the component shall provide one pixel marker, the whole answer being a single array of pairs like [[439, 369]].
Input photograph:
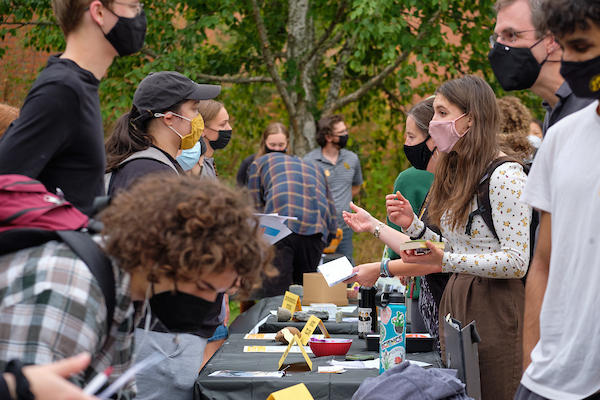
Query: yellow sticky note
[[296, 392], [291, 302], [297, 341], [346, 165]]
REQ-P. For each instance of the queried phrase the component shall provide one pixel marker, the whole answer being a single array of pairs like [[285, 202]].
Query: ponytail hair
[[129, 135]]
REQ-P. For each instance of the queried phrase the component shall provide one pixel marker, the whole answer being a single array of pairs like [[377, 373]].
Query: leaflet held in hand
[[336, 271]]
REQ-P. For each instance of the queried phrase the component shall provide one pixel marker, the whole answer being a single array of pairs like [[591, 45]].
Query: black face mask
[[180, 312], [516, 68], [127, 36], [583, 77], [419, 155], [222, 141], [268, 150], [343, 141]]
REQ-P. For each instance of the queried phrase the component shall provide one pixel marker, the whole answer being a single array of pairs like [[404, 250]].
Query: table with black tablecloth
[[231, 357], [246, 321]]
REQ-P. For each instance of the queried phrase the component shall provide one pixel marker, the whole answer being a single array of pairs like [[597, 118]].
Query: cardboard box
[[316, 290]]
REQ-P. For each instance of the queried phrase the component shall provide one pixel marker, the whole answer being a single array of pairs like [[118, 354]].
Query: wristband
[[377, 230], [384, 270], [23, 393]]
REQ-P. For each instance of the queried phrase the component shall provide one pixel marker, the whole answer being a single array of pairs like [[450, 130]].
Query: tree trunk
[[302, 132], [300, 43]]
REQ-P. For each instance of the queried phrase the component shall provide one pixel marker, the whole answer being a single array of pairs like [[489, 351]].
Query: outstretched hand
[[434, 257], [48, 382], [360, 220], [366, 274], [399, 210]]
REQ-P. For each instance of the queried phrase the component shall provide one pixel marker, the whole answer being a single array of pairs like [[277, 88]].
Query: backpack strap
[[151, 153], [484, 207], [98, 263]]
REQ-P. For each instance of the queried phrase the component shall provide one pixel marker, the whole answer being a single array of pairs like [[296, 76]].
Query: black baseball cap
[[161, 90]]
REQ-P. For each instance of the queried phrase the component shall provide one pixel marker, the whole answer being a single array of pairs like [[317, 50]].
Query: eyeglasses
[[340, 133], [508, 36], [138, 7]]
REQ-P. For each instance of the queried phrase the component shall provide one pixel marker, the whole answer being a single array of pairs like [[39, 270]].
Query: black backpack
[[485, 209]]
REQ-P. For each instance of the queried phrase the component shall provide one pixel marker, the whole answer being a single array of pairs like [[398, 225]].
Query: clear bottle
[[392, 329]]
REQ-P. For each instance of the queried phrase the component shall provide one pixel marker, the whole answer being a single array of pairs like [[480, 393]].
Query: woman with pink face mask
[[485, 284]]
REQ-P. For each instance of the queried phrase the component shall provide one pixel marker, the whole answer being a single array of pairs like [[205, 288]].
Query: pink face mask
[[444, 134]]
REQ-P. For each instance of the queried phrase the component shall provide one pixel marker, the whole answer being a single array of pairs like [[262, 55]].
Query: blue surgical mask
[[189, 158]]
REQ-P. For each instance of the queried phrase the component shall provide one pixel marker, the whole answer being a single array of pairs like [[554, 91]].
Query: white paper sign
[[274, 228], [336, 271]]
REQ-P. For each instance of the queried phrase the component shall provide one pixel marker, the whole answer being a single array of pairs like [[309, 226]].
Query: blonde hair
[[272, 129], [209, 109]]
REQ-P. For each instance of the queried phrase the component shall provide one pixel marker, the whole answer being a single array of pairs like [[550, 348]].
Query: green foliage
[[430, 41]]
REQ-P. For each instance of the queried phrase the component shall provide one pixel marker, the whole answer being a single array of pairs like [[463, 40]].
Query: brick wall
[[18, 69]]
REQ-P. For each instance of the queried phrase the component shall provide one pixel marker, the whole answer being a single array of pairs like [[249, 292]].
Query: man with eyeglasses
[[59, 138], [561, 325], [523, 58], [342, 169]]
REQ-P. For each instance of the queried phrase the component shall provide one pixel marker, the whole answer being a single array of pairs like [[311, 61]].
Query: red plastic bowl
[[329, 347]]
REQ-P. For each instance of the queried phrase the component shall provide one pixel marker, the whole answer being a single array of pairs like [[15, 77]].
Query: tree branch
[[395, 103], [23, 24], [235, 79], [330, 43], [215, 78], [337, 76], [268, 58], [321, 46], [374, 81]]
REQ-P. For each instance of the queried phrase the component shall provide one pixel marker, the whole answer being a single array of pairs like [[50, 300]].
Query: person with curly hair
[[515, 121], [7, 115], [175, 242]]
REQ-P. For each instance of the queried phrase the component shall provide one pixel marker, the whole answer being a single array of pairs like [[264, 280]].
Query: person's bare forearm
[[400, 268], [389, 236], [534, 296], [537, 280]]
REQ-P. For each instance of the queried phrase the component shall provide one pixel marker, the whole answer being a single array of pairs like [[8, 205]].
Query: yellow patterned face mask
[[188, 141]]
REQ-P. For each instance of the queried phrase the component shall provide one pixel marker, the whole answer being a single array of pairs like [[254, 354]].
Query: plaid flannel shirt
[[290, 186], [52, 307]]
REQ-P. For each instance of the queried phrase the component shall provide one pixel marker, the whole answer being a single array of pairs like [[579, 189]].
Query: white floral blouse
[[480, 253]]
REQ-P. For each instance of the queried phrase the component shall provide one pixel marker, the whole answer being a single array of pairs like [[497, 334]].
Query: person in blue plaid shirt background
[[176, 243], [292, 187]]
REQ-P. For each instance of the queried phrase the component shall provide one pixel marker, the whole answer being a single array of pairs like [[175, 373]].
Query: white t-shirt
[[565, 182]]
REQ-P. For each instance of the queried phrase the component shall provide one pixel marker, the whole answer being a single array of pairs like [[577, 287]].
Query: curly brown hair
[[183, 228], [515, 121], [514, 116]]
